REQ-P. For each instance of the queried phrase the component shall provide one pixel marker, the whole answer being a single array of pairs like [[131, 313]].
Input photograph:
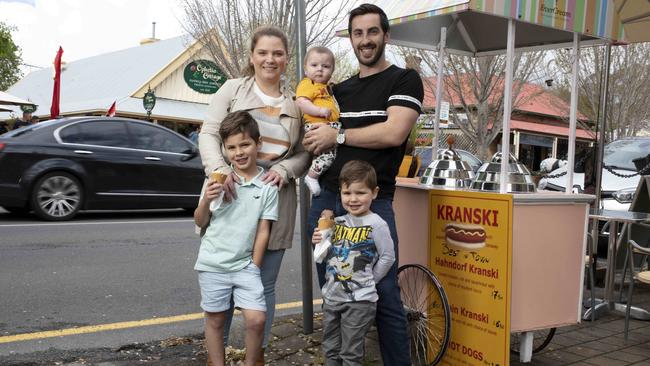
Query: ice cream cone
[[218, 177], [325, 223]]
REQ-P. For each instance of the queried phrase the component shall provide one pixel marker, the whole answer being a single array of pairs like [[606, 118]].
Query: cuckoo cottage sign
[[203, 76]]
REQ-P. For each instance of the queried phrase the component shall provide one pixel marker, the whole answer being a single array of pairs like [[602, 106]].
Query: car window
[[157, 139], [100, 133], [26, 129], [621, 153]]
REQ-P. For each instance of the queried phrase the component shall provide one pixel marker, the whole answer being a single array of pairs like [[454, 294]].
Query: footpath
[[598, 343]]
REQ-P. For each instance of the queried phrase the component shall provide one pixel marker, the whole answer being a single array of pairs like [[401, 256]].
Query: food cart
[[527, 271]]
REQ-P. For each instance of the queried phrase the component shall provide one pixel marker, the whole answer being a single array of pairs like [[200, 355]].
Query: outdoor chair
[[638, 232], [590, 263], [641, 276]]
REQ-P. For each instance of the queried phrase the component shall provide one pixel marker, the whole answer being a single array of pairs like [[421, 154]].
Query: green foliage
[[10, 58]]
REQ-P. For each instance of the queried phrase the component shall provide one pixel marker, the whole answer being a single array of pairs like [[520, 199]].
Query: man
[[379, 106], [27, 117], [194, 135]]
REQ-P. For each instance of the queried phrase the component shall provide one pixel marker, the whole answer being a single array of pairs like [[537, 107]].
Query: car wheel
[[57, 196]]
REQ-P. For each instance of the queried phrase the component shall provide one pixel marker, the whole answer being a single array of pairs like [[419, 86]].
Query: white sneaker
[[312, 184]]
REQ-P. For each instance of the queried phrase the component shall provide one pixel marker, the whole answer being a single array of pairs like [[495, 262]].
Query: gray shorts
[[245, 286]]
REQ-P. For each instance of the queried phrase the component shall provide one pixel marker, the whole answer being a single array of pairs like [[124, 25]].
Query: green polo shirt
[[227, 245]]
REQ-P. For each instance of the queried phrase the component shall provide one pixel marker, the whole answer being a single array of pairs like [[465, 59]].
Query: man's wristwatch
[[340, 138]]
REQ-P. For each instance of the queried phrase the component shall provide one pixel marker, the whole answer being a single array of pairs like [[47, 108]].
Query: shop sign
[[444, 111], [204, 76], [471, 253], [535, 140], [149, 101], [28, 108]]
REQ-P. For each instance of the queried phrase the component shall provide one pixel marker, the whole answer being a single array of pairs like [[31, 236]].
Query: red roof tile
[[531, 99], [549, 129]]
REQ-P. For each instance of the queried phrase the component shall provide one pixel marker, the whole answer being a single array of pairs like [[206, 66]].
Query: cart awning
[[635, 19], [479, 27]]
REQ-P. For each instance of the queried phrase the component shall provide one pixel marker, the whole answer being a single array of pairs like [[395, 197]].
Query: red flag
[[54, 109], [111, 111]]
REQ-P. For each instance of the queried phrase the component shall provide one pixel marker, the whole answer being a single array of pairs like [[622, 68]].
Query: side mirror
[[190, 153]]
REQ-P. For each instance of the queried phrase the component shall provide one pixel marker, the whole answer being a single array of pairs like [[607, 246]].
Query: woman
[[261, 93]]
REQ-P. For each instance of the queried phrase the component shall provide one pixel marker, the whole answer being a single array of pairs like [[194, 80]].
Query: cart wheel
[[427, 313], [541, 339]]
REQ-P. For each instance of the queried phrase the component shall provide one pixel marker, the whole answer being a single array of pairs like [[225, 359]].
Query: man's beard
[[379, 52]]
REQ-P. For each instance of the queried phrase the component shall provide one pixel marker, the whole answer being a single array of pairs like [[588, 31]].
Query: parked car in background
[[617, 192], [425, 157], [59, 167]]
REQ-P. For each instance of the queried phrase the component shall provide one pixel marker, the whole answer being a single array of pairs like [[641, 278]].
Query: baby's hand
[[325, 112], [317, 237]]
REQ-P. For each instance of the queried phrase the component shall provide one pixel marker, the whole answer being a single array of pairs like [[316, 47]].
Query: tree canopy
[[224, 27], [10, 58], [628, 95]]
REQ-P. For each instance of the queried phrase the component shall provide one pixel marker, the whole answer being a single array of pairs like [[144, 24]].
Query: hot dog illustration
[[465, 236]]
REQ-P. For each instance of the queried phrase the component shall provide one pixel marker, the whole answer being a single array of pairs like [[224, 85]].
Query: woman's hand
[[272, 177], [317, 237], [320, 138], [229, 187]]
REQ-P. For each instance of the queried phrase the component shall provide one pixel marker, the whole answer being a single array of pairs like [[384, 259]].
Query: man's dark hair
[[358, 171], [364, 9], [239, 122]]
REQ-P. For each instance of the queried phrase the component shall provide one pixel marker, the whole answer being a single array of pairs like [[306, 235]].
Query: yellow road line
[[123, 325]]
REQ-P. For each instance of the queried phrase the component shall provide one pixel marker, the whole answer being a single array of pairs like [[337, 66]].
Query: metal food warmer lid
[[488, 177], [448, 169]]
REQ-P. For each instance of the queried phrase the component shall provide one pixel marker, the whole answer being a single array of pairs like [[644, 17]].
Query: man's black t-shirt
[[363, 102]]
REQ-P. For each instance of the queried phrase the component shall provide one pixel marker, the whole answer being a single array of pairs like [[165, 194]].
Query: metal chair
[[590, 263], [643, 276]]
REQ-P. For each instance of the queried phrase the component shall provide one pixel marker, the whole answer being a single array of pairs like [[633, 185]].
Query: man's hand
[[320, 138], [273, 178], [229, 187]]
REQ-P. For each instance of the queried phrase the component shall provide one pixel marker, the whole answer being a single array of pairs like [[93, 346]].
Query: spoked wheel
[[541, 339], [57, 196], [427, 313]]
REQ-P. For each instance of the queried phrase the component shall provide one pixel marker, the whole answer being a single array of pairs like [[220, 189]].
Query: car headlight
[[625, 195]]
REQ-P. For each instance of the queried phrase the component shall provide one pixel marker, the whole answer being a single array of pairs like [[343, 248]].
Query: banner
[[471, 253], [56, 92]]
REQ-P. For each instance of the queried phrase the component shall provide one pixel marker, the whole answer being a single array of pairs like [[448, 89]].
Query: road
[[102, 269]]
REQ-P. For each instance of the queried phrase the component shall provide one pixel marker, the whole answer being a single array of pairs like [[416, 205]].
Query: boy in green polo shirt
[[234, 242]]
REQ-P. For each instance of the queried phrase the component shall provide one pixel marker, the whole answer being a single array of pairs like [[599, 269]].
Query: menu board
[[471, 252]]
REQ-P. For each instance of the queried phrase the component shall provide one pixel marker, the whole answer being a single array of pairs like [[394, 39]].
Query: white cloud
[[86, 28]]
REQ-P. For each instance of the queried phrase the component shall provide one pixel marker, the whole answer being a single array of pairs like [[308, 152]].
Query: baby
[[318, 106]]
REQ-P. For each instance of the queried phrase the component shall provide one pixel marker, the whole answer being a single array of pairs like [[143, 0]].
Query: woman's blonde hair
[[260, 32]]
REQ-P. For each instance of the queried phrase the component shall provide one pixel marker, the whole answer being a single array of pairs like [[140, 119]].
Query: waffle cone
[[218, 177], [325, 223]]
